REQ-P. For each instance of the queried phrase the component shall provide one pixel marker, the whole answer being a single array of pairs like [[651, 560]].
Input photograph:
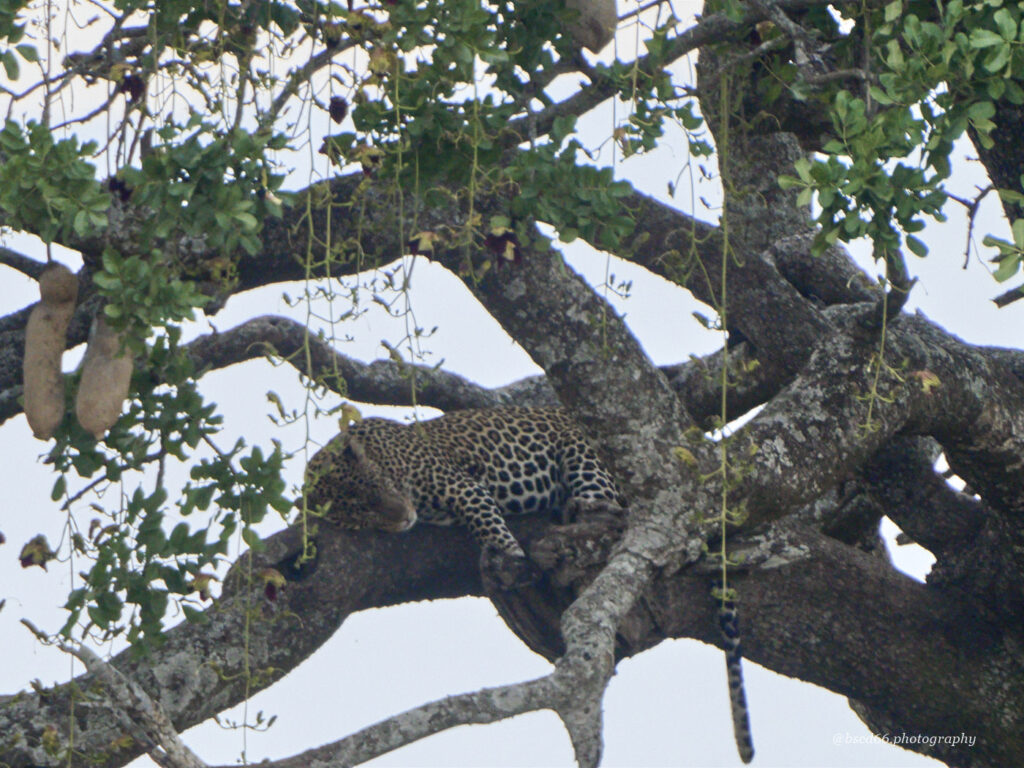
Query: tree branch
[[143, 717], [487, 706], [384, 382], [21, 263], [833, 417]]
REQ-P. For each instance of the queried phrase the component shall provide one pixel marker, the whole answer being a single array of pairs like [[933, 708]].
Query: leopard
[[476, 467], [470, 467]]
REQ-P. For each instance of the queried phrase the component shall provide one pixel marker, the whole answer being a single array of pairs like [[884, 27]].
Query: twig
[[838, 74], [1012, 295], [972, 207]]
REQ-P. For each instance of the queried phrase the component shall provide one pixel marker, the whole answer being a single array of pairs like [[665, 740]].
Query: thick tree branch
[[386, 382], [673, 245], [841, 410], [710, 28], [872, 636], [1008, 297], [595, 364], [625, 579]]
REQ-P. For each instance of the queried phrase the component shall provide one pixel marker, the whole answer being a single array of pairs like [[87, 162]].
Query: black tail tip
[[744, 741]]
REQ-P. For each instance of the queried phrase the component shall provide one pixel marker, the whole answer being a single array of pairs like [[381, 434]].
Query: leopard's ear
[[353, 449]]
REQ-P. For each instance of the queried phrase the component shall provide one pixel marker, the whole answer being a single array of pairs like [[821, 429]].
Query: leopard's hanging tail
[[728, 621]]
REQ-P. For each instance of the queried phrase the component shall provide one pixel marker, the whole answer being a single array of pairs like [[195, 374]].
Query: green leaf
[[28, 52], [81, 223], [87, 462], [59, 488], [880, 96], [97, 617], [10, 64], [282, 505], [195, 616], [981, 110], [998, 59], [1018, 233], [178, 538], [1007, 268], [250, 537], [916, 247], [247, 220], [803, 169], [1007, 26], [1010, 196], [985, 38]]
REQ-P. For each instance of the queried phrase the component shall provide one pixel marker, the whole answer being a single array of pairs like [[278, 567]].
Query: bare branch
[[384, 382], [390, 383], [387, 382], [22, 263], [137, 712], [487, 706]]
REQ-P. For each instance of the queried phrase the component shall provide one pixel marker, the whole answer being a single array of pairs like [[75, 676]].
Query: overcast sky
[[667, 707]]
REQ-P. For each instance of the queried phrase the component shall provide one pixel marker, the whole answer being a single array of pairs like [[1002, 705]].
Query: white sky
[[667, 707]]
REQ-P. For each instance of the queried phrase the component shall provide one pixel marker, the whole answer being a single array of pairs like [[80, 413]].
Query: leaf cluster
[[933, 75], [13, 32], [145, 556], [577, 199], [47, 187], [207, 185]]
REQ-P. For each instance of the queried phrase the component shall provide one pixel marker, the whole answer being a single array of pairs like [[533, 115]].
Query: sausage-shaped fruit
[[45, 338], [595, 27], [106, 377]]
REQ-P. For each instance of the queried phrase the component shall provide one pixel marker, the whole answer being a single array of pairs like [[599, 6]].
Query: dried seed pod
[[45, 338], [106, 377]]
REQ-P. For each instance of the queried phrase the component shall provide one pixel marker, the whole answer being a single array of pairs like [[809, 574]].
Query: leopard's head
[[354, 491]]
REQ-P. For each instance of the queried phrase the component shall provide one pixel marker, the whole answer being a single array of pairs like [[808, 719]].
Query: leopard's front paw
[[504, 570], [567, 552], [598, 511]]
